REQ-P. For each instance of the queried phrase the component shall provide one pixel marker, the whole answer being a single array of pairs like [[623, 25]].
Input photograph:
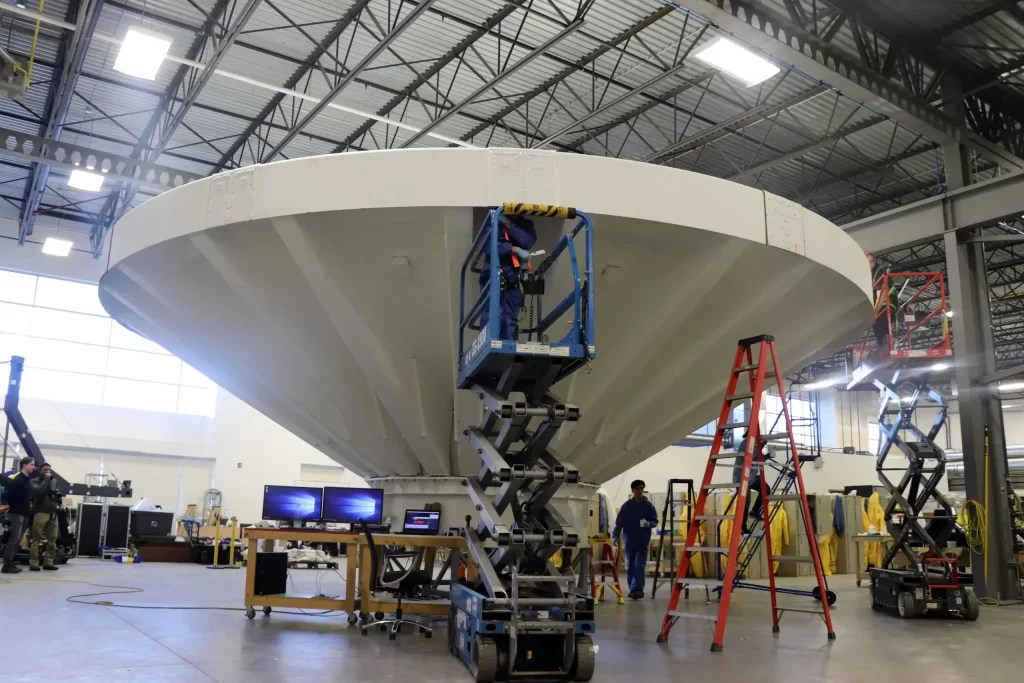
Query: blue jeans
[[636, 563]]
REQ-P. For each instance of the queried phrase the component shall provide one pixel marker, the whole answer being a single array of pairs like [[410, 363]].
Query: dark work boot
[[10, 569], [34, 568], [49, 568]]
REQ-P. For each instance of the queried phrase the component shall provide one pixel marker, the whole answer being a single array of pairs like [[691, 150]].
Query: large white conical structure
[[324, 291]]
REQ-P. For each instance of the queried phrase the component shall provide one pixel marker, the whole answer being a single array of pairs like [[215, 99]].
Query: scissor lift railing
[[917, 324]]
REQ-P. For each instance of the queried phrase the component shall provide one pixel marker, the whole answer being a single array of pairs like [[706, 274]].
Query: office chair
[[393, 578]]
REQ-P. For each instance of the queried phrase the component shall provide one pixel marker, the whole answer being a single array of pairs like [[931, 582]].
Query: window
[[873, 437], [800, 413], [74, 352]]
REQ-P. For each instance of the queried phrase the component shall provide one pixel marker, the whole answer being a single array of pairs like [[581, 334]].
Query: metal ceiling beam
[[808, 148], [862, 174], [435, 68], [567, 71], [77, 46], [729, 126], [617, 101], [496, 80], [974, 206], [171, 118], [309, 63], [350, 76], [778, 36]]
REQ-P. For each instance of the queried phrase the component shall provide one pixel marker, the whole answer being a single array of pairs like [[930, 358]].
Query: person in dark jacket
[[45, 497], [636, 518], [516, 236], [18, 491]]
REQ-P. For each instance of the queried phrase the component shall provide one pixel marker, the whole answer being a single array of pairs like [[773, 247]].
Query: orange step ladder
[[605, 562], [764, 366]]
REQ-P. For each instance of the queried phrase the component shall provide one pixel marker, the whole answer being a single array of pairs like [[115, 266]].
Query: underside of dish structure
[[325, 292]]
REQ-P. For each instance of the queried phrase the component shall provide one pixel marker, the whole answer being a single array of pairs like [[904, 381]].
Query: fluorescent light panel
[[141, 54], [57, 247], [1012, 386], [85, 180], [737, 61]]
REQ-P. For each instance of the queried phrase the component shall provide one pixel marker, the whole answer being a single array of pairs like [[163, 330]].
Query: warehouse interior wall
[[172, 459]]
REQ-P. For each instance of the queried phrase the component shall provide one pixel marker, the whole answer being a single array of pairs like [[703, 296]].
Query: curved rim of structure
[[445, 177]]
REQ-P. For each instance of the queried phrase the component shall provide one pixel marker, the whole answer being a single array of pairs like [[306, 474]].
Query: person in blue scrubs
[[637, 517]]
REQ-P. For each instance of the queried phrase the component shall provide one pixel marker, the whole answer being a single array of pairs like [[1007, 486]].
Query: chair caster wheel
[[250, 613], [267, 610], [352, 619], [428, 634], [378, 615]]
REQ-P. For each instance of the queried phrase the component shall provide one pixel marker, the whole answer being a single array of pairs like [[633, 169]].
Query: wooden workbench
[[357, 553]]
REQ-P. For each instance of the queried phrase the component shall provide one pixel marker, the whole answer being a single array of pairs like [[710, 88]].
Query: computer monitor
[[349, 505], [425, 522], [286, 503]]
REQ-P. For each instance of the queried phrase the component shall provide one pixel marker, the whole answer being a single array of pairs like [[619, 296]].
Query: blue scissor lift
[[522, 617]]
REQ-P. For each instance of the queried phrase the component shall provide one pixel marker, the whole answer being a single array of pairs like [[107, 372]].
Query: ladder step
[[706, 549], [714, 516], [740, 397], [787, 497], [723, 456], [606, 583], [727, 485], [701, 582], [799, 609], [734, 425], [694, 615], [753, 464], [778, 436], [793, 558], [749, 368]]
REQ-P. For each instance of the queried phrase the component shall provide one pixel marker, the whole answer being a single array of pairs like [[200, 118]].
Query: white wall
[[836, 471], [171, 459]]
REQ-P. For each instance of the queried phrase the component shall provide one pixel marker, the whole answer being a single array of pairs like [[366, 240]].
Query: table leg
[[351, 560], [250, 573]]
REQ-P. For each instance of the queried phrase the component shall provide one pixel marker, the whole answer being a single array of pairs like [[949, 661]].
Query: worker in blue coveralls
[[636, 518], [516, 236]]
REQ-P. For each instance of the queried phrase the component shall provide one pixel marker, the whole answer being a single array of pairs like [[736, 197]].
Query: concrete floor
[[46, 638]]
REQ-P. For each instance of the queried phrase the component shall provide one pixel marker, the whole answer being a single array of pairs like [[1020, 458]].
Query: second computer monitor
[[292, 503], [349, 505], [425, 522]]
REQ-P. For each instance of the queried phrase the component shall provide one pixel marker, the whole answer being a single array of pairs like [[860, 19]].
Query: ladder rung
[[793, 558], [701, 582], [799, 609], [788, 497], [706, 549], [748, 368], [714, 516], [734, 425], [606, 583], [732, 464], [778, 436], [723, 456], [694, 615], [740, 397], [724, 485]]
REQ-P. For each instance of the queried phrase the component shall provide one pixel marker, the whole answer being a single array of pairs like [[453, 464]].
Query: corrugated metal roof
[[112, 110]]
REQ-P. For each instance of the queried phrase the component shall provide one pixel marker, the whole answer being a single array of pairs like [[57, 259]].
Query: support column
[[981, 415]]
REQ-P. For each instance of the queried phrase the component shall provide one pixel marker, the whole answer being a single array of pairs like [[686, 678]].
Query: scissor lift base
[[905, 592]]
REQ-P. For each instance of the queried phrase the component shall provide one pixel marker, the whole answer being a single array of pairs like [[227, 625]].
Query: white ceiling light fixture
[[142, 53], [55, 246], [1011, 386], [820, 385], [738, 61], [85, 180]]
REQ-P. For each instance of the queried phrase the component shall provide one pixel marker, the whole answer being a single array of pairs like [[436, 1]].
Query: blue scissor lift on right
[[522, 618]]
